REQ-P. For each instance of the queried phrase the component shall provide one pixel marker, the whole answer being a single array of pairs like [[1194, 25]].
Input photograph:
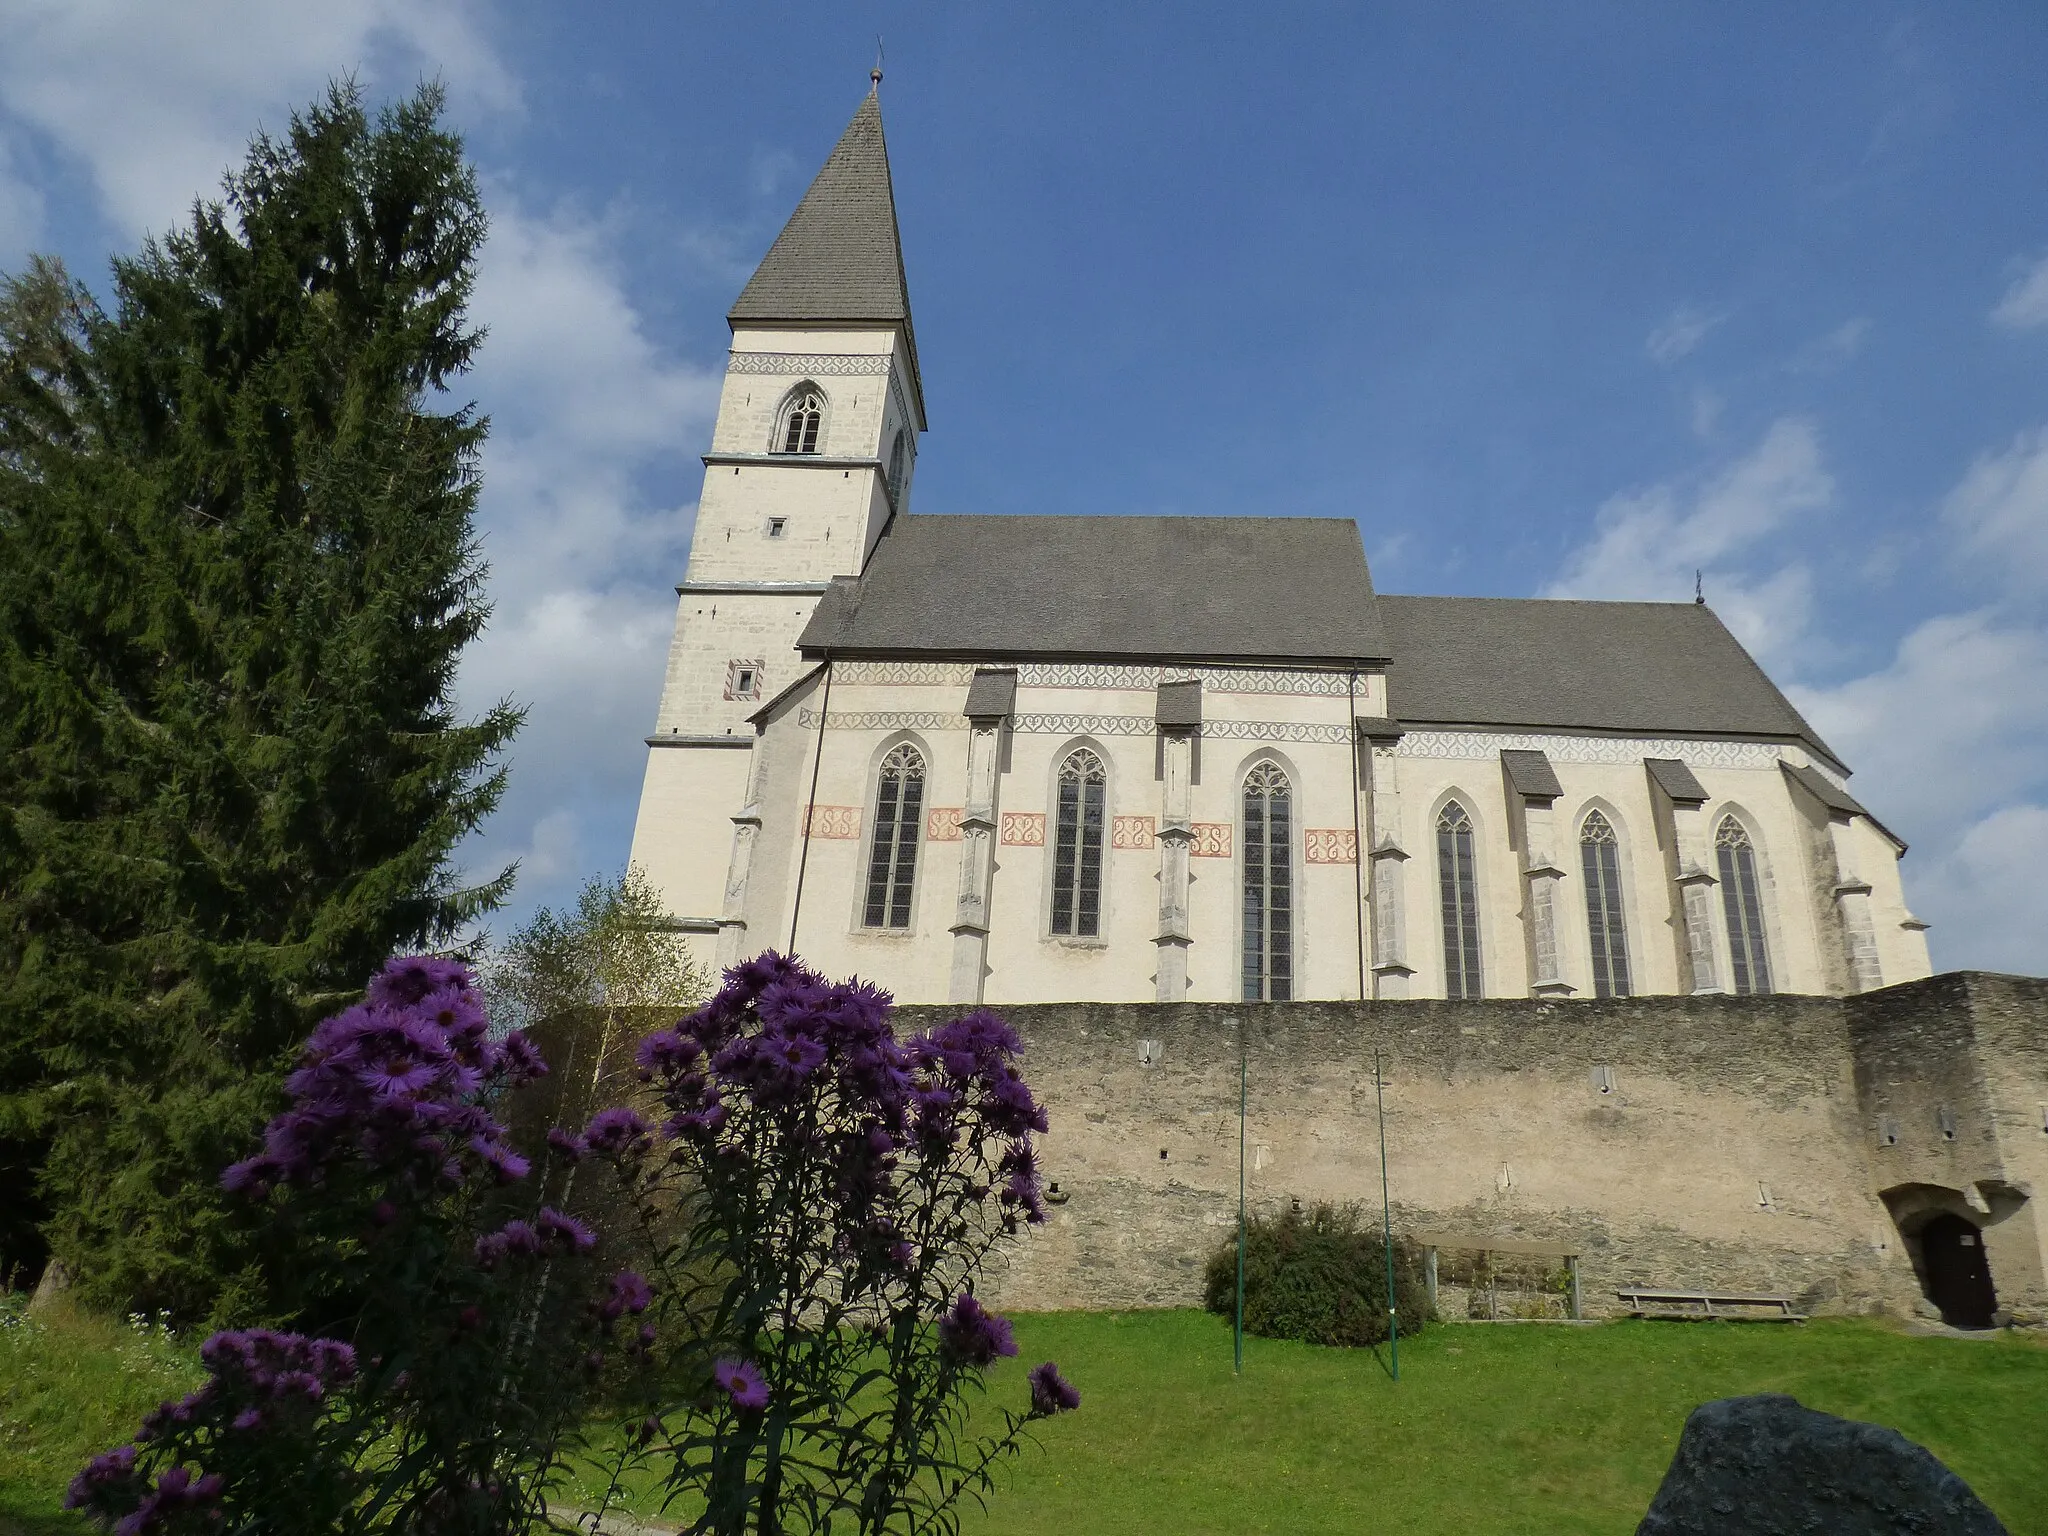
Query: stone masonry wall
[[1729, 1143]]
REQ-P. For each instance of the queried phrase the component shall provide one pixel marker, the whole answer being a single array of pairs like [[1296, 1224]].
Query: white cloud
[[1987, 897], [1828, 352], [1684, 329], [586, 410], [155, 101], [1650, 542], [1949, 742], [2025, 304], [2000, 512], [21, 209]]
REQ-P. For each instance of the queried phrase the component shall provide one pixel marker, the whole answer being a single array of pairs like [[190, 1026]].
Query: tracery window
[[1268, 885], [801, 419], [892, 857], [1741, 898], [1458, 885], [1600, 861], [897, 454], [1077, 846]]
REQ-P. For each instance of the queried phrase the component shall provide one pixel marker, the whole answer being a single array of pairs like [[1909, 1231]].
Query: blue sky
[[1564, 300]]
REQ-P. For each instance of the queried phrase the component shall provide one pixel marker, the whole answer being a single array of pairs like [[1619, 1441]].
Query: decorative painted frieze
[[811, 364], [1132, 832], [942, 824], [883, 720], [1212, 840], [942, 674], [1329, 845], [1024, 829], [831, 821], [1625, 750]]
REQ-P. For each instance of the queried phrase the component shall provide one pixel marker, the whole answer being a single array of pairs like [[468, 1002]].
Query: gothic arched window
[[1741, 898], [1600, 860], [898, 453], [801, 419], [892, 858], [1268, 885], [1458, 884], [1077, 846]]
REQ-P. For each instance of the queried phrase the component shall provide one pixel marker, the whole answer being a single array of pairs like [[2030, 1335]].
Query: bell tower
[[812, 455]]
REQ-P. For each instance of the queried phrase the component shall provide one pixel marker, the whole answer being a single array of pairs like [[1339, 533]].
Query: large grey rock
[[1761, 1466]]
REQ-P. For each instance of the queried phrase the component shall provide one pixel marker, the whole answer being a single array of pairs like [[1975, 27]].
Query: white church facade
[[1133, 759]]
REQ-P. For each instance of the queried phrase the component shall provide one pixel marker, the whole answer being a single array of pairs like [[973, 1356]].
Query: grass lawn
[[72, 1384], [1491, 1429]]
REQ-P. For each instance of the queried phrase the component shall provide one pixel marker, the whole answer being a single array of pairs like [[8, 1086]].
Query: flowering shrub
[[447, 1333], [836, 1192]]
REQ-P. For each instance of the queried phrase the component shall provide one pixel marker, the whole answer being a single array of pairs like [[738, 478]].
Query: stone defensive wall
[[1781, 1145]]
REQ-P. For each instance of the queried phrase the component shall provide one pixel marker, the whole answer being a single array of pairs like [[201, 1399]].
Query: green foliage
[[237, 570], [1320, 1277], [610, 953]]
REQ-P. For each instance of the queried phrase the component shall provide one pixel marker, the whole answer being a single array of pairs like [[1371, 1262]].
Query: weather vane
[[875, 74]]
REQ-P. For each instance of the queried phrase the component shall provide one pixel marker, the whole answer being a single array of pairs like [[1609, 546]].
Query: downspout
[[1357, 832], [811, 809]]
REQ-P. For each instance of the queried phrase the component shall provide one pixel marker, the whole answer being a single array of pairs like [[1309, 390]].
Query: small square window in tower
[[743, 679], [777, 527]]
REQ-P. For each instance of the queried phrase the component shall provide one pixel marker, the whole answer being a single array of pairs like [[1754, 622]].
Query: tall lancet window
[[892, 858], [898, 461], [1077, 846], [1458, 883], [1268, 885], [801, 419], [1742, 899], [1600, 861]]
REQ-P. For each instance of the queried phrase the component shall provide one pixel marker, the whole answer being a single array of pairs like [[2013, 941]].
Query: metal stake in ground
[[1379, 1090]]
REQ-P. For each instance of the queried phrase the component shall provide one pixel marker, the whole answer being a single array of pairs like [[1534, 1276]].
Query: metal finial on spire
[[875, 74], [1699, 591]]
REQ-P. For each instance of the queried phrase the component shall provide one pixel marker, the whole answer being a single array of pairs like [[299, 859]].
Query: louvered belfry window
[[1600, 861], [801, 421], [1268, 885], [1077, 846], [892, 859], [1458, 884], [1742, 900]]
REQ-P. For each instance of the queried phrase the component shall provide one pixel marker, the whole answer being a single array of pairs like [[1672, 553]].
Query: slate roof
[[1544, 662], [1255, 589], [1531, 774], [840, 256]]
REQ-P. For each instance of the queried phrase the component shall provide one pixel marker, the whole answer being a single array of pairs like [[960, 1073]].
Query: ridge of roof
[[840, 256]]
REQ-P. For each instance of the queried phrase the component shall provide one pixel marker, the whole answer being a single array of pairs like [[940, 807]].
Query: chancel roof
[[1254, 589], [1540, 663], [839, 258]]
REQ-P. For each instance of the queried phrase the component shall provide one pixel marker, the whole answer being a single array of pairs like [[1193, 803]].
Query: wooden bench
[[1645, 1301]]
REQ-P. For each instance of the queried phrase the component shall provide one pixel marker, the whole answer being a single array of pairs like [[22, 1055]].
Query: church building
[[1134, 759]]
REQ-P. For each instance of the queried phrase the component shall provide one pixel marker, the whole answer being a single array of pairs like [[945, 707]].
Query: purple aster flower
[[974, 1335], [742, 1382], [568, 1143], [505, 1164], [553, 1223], [631, 1290], [412, 977], [667, 1051], [1051, 1392], [523, 1061], [249, 1418], [613, 1131]]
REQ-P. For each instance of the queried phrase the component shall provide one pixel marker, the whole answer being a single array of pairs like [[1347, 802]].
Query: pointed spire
[[839, 258]]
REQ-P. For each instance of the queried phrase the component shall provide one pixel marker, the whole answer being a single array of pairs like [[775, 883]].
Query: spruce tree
[[237, 571]]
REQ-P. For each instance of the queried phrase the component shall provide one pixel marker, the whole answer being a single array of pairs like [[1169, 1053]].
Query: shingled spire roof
[[839, 258]]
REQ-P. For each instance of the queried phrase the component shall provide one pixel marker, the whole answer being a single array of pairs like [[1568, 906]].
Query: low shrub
[[1319, 1276]]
